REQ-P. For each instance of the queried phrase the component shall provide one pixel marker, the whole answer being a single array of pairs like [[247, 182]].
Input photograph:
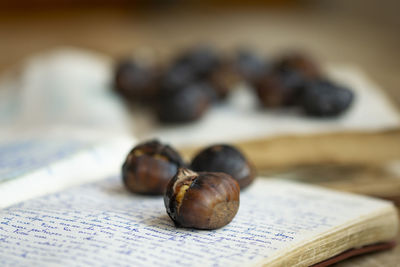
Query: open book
[[100, 224], [42, 162]]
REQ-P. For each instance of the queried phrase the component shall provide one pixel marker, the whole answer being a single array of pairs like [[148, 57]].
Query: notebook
[[70, 222], [278, 224]]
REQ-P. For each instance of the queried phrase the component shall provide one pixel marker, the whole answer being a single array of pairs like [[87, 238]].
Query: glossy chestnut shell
[[279, 88], [134, 81], [227, 159], [149, 167], [323, 98], [299, 62], [205, 200], [184, 104]]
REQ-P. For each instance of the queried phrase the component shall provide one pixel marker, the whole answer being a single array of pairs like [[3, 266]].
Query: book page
[[37, 164], [102, 224], [20, 157]]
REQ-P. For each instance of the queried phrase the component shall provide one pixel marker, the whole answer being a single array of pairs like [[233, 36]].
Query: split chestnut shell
[[204, 200]]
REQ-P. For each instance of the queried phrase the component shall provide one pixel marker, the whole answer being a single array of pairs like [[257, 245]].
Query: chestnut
[[300, 63], [223, 79], [227, 159], [149, 167], [283, 84], [323, 98], [204, 200], [279, 88], [135, 81], [192, 68], [184, 104], [251, 66], [202, 59], [177, 76]]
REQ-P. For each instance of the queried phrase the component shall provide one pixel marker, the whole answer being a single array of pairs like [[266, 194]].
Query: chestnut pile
[[296, 80], [204, 196], [187, 87]]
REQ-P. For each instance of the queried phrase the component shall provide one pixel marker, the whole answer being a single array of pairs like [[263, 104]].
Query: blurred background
[[365, 33]]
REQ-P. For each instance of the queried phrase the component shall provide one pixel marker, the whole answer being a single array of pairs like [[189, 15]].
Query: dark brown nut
[[299, 62], [205, 200], [227, 159], [202, 59], [183, 104], [149, 167], [136, 82], [280, 88], [199, 65], [283, 84], [223, 79], [251, 66], [323, 98], [177, 76]]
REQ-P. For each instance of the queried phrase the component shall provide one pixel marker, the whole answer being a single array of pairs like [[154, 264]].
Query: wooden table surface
[[330, 35]]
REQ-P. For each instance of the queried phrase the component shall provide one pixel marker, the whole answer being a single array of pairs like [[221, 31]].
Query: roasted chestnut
[[184, 104], [280, 88], [205, 200], [227, 159], [202, 59], [223, 79], [300, 63], [250, 65], [135, 81], [149, 167], [177, 76], [322, 98], [200, 64], [283, 84]]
